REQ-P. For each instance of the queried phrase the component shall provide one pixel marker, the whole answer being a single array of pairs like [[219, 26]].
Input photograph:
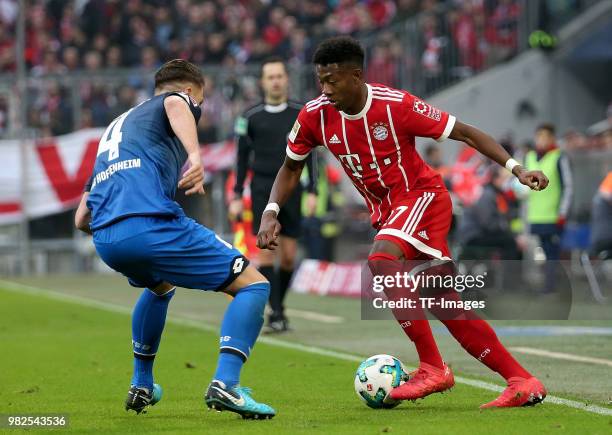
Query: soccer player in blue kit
[[140, 231]]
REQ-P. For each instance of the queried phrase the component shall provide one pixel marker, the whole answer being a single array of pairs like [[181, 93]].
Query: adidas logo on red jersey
[[423, 235], [334, 139]]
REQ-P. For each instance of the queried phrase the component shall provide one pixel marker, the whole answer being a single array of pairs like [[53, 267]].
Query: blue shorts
[[149, 250]]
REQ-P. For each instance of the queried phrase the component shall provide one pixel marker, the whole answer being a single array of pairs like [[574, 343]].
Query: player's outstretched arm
[[285, 183], [485, 144], [184, 126], [82, 217]]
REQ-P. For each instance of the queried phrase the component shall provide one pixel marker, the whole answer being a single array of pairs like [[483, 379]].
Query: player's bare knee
[[250, 276], [386, 247], [253, 275], [383, 257], [162, 288]]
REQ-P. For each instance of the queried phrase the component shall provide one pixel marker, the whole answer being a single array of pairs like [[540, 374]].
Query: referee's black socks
[[284, 279]]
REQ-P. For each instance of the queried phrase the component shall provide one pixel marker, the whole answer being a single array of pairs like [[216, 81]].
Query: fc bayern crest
[[380, 131]]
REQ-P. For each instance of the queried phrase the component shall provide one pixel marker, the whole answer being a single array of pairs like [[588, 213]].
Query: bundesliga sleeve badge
[[422, 108], [294, 131]]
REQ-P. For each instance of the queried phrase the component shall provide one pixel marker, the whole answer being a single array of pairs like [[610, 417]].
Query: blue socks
[[239, 331], [148, 321]]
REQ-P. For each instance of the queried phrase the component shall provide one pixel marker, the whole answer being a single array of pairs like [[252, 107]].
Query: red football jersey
[[376, 147]]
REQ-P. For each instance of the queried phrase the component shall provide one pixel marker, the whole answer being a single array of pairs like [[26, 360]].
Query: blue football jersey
[[138, 165]]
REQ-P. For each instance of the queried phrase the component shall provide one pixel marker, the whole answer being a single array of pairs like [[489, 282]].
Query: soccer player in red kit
[[371, 130]]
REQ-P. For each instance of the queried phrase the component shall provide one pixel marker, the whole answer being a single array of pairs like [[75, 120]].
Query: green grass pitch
[[61, 357]]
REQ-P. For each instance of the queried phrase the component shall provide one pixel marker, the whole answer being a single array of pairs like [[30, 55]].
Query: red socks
[[420, 333], [478, 338], [474, 334]]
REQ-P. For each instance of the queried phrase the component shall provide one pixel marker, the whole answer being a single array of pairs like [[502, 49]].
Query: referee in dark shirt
[[262, 140]]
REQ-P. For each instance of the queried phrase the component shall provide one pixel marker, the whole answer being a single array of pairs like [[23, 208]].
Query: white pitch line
[[562, 355], [314, 316], [16, 287]]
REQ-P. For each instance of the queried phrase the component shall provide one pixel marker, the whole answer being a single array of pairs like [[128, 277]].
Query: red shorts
[[420, 225]]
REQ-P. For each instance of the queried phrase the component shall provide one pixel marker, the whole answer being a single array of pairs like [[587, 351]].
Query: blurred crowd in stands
[[93, 34], [447, 41], [455, 39]]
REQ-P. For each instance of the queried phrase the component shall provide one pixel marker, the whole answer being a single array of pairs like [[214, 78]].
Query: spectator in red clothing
[[346, 18], [67, 24], [170, 27], [383, 67], [434, 44], [466, 36], [381, 11], [502, 30], [38, 39], [249, 34], [273, 32]]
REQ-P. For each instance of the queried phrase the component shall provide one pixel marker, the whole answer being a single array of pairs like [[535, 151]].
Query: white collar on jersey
[[364, 110], [275, 108]]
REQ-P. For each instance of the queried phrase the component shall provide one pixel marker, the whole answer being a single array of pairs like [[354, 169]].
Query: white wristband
[[511, 164], [272, 207]]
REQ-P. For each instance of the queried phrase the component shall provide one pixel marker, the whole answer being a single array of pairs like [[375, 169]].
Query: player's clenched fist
[[193, 178], [535, 180], [267, 237]]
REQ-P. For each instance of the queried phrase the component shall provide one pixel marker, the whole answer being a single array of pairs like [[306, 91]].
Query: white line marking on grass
[[562, 355], [17, 288], [314, 316]]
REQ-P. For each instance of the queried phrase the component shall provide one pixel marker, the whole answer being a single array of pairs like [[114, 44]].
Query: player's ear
[[357, 74]]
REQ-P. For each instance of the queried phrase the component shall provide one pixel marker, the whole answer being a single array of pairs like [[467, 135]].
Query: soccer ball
[[376, 377]]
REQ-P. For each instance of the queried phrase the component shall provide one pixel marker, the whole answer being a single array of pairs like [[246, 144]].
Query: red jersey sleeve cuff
[[450, 124], [294, 156]]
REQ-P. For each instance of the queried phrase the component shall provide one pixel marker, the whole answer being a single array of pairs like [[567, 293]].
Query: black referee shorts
[[290, 216]]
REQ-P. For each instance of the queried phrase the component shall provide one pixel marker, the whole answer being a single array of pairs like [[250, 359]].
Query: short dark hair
[[178, 70], [273, 59], [548, 127], [340, 49]]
